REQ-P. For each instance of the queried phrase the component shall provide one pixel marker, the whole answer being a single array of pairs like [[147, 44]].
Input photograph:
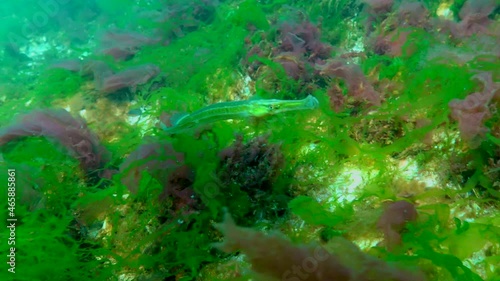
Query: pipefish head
[[259, 108]]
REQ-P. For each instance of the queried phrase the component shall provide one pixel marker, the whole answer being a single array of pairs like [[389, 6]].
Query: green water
[[94, 189]]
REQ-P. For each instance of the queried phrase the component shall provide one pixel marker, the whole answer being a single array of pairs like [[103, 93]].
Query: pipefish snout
[[238, 110]]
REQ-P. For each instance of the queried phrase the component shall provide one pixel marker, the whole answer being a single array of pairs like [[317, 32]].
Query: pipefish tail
[[238, 110]]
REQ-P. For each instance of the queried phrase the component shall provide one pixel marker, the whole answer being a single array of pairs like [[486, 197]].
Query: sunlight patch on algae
[[348, 184], [233, 269], [405, 178], [228, 85], [444, 10]]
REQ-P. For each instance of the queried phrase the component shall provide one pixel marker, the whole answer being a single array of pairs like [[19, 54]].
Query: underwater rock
[[12, 50]]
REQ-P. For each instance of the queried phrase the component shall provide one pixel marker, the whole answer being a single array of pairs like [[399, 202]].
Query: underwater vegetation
[[250, 140], [473, 111], [306, 262], [59, 126]]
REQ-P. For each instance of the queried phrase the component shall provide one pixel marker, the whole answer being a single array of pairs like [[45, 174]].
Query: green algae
[[250, 12], [201, 69], [46, 192]]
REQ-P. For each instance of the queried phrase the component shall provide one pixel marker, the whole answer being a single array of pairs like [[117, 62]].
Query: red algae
[[123, 45], [473, 111], [275, 257], [165, 165], [379, 6], [473, 19], [358, 85], [129, 78], [394, 219], [60, 126]]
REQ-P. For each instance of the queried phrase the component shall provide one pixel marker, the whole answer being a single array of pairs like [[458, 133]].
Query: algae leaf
[[454, 265], [249, 12]]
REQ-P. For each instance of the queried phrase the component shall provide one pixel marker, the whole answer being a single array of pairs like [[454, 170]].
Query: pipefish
[[238, 110]]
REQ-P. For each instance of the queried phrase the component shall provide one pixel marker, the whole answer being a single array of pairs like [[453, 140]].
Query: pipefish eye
[[274, 106]]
